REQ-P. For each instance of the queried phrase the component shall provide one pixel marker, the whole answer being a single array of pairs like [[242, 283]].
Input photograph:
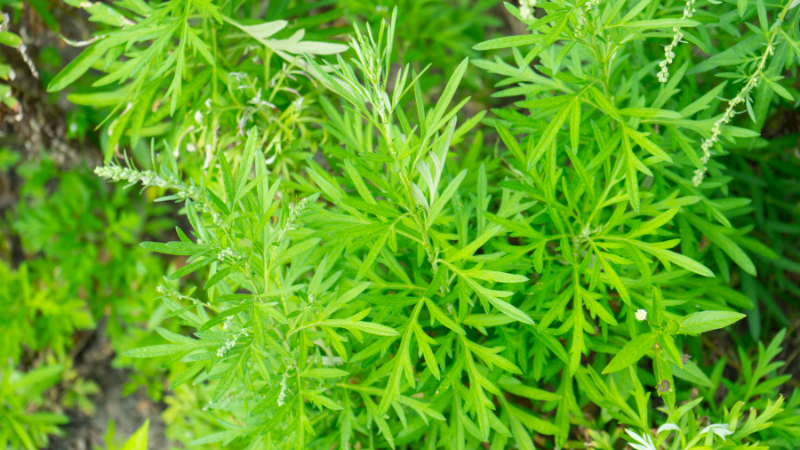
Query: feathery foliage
[[375, 272]]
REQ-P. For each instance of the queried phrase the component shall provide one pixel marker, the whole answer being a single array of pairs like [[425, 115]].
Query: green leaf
[[725, 243], [615, 280], [741, 5], [230, 312], [246, 164], [377, 247], [677, 258], [595, 307], [633, 351], [138, 440], [439, 315], [189, 268], [161, 350], [221, 436], [503, 306], [529, 392], [470, 249], [702, 102], [164, 248], [763, 21], [703, 321], [442, 200], [295, 250], [219, 276], [667, 342], [322, 400], [651, 113], [76, 67], [658, 23], [374, 328], [605, 104], [653, 225], [509, 41], [780, 90], [187, 375], [548, 137], [497, 277], [691, 373], [10, 39], [446, 97], [647, 144], [518, 229], [376, 209]]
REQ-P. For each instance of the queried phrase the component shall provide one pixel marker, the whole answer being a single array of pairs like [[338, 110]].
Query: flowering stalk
[[583, 16], [229, 344], [294, 213], [741, 97], [526, 9], [669, 55], [284, 388], [229, 254], [114, 172]]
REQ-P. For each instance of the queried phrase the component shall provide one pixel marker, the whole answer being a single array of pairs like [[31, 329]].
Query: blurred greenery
[[81, 264]]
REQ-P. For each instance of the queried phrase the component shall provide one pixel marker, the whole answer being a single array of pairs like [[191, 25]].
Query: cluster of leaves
[[403, 302], [437, 33], [81, 265], [20, 427], [698, 423], [171, 72], [410, 286]]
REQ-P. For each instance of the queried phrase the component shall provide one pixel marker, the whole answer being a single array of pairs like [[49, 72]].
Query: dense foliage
[[378, 249]]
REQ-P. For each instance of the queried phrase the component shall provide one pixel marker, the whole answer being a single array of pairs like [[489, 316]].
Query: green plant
[[204, 92], [82, 265], [81, 240], [436, 33], [407, 286], [137, 441], [730, 432], [20, 427], [433, 232], [35, 319], [189, 416]]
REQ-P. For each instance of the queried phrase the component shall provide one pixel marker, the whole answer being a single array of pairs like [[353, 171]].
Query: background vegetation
[[406, 224]]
